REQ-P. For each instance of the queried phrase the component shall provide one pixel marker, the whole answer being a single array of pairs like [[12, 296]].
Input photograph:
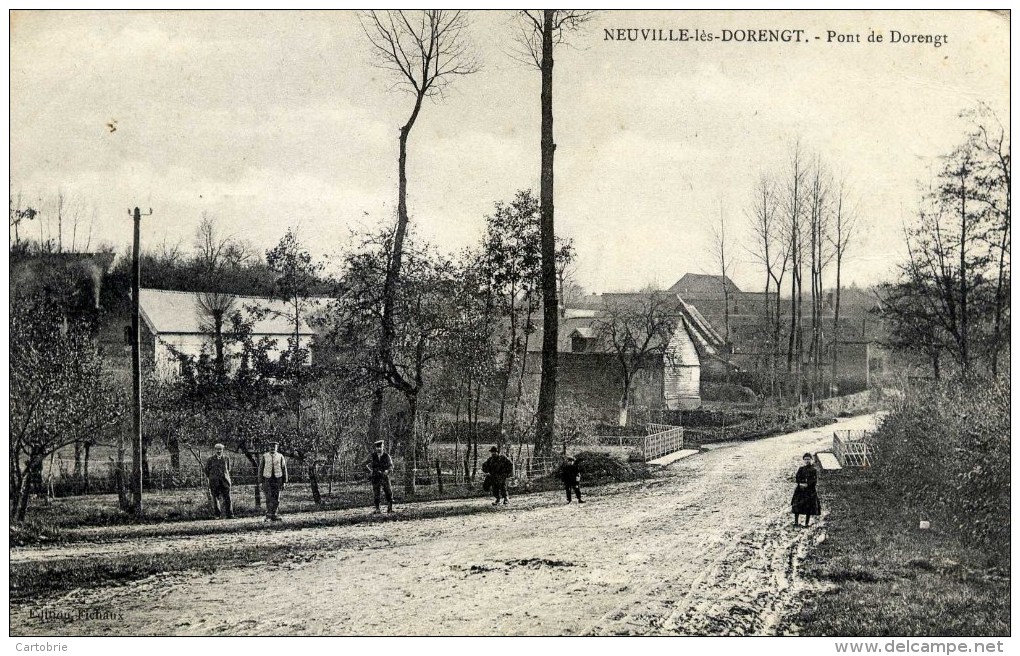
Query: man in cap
[[499, 468], [217, 470], [273, 472], [379, 465]]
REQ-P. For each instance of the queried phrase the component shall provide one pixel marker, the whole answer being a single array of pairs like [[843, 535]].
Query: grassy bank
[[945, 459]]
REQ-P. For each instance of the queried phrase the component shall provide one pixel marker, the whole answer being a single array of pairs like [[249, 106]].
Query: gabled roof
[[181, 313], [586, 332], [702, 283]]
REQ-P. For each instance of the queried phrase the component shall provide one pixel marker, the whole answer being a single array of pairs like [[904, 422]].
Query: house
[[184, 323], [589, 370]]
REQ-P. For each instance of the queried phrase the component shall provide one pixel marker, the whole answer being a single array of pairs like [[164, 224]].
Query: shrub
[[945, 450], [600, 466]]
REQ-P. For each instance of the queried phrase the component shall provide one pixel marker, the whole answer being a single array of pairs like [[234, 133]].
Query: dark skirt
[[805, 502]]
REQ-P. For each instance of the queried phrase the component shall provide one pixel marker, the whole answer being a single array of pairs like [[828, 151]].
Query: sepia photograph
[[510, 323]]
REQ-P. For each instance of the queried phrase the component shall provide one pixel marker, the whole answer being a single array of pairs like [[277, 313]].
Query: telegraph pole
[[136, 369]]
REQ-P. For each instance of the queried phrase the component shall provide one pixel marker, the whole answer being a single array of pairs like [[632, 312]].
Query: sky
[[269, 120]]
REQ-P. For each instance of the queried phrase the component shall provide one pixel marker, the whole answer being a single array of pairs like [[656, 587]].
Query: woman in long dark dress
[[805, 496]]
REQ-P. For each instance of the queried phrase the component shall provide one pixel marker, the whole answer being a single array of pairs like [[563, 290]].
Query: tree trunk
[[85, 467], [625, 399], [253, 459], [173, 444], [313, 478], [550, 314], [34, 463], [964, 312], [393, 270], [835, 322], [411, 447]]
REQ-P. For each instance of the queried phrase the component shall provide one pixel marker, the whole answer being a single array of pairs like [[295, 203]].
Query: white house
[[182, 322]]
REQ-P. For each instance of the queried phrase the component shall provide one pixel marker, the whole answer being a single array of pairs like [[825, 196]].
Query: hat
[[494, 449], [377, 443], [272, 442], [218, 446], [807, 455]]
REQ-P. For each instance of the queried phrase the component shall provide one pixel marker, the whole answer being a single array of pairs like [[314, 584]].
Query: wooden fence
[[662, 440], [854, 448]]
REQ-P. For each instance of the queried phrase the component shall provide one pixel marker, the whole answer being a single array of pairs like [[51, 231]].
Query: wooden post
[[439, 476], [136, 367], [136, 372]]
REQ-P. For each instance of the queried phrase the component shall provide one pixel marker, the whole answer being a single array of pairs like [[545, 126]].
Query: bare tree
[[540, 31], [215, 308], [818, 225], [794, 205], [719, 246], [844, 229], [425, 51], [637, 332], [991, 141], [774, 254]]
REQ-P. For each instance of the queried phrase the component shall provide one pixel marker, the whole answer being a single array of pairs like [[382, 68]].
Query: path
[[706, 548]]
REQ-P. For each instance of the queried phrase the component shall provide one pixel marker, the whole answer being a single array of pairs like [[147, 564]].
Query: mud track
[[705, 548]]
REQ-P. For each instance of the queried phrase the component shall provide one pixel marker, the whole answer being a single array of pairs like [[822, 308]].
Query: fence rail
[[665, 440], [854, 448]]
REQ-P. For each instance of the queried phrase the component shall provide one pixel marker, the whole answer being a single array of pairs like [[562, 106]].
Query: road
[[707, 547]]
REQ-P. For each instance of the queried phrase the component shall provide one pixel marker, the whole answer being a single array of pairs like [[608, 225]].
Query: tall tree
[[720, 246], [774, 254], [425, 51], [540, 32], [958, 262], [844, 229], [991, 142]]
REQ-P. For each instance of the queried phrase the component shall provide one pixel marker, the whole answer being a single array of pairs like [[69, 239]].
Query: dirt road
[[706, 548]]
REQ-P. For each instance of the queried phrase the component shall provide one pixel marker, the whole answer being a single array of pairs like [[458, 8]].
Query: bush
[[601, 466], [946, 450]]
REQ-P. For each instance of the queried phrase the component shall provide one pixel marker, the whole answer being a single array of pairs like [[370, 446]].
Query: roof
[[180, 313], [702, 283], [566, 327]]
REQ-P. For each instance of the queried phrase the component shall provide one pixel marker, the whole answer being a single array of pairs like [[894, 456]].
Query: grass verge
[[879, 574]]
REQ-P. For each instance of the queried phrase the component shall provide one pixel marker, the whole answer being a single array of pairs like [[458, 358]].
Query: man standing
[[217, 470], [499, 468], [379, 465], [571, 477], [273, 472]]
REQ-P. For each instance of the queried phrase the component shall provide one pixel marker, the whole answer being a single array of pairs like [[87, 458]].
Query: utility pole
[[136, 369]]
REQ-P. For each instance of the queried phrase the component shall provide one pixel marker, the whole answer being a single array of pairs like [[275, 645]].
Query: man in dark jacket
[[499, 468], [217, 469], [571, 477], [379, 465]]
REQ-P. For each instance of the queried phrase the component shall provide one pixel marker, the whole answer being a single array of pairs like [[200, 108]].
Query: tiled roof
[[181, 313]]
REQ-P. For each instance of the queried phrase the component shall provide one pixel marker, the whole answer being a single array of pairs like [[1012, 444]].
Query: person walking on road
[[805, 495], [571, 477], [273, 472], [379, 465], [499, 468], [217, 470]]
